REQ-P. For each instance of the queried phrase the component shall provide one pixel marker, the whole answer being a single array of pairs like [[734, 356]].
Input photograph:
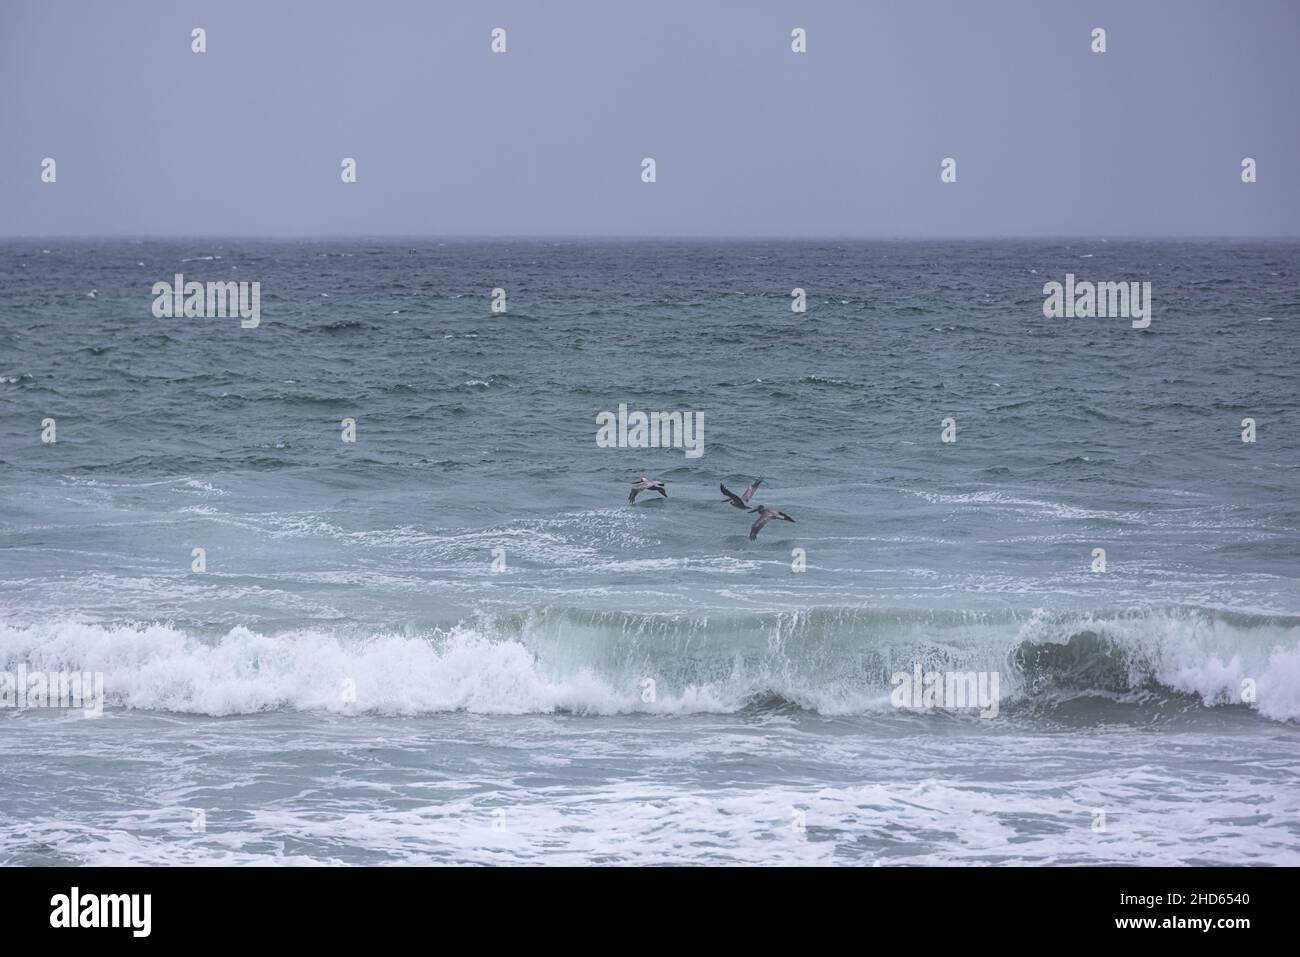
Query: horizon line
[[648, 237]]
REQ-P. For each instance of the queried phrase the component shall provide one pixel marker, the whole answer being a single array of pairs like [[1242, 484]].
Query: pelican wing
[[757, 527], [736, 500], [749, 492]]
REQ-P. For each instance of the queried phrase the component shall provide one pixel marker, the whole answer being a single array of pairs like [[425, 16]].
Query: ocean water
[[351, 678]]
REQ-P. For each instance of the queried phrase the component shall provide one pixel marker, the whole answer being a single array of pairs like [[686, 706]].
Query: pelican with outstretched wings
[[765, 515], [644, 484], [741, 501]]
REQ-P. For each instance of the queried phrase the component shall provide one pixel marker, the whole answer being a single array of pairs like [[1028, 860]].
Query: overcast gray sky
[[750, 139]]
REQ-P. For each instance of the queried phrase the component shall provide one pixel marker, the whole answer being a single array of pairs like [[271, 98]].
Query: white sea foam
[[892, 803], [598, 663], [1220, 662], [158, 667]]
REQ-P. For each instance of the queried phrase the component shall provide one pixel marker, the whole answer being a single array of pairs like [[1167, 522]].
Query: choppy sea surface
[[454, 641]]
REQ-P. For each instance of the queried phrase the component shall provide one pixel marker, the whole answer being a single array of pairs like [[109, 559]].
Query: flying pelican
[[643, 484], [740, 501], [765, 515]]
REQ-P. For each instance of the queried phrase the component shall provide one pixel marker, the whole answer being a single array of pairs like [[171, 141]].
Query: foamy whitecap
[[832, 661]]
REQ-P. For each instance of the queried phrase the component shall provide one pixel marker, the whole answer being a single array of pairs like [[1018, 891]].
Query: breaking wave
[[834, 661]]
